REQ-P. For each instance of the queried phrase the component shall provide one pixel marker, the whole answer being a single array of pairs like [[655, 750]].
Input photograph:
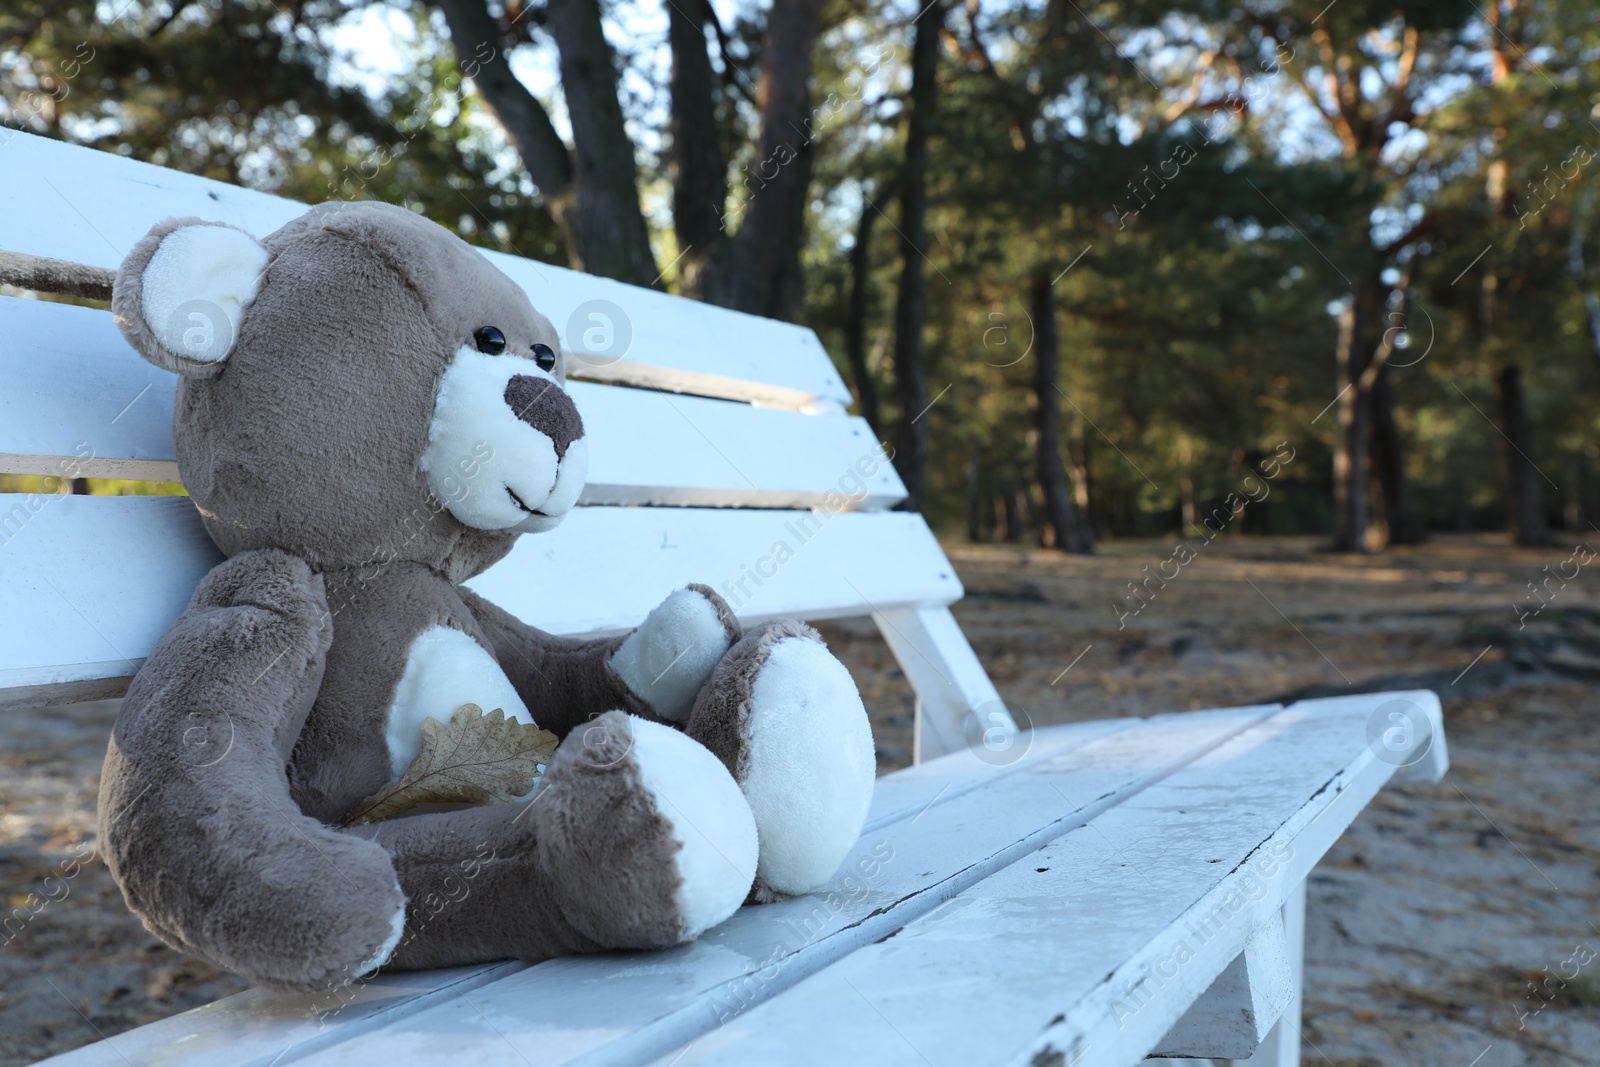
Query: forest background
[[1094, 269]]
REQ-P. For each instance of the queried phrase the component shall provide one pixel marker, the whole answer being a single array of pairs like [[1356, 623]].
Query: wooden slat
[[258, 1028], [630, 1008], [78, 399], [1101, 939], [603, 569], [683, 345], [90, 583], [74, 203]]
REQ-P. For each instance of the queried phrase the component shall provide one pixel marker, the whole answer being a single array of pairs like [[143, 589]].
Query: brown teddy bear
[[369, 414]]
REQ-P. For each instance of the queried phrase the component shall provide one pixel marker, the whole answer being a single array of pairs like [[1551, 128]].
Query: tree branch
[[1345, 119], [730, 69], [477, 42], [1401, 107], [1422, 226]]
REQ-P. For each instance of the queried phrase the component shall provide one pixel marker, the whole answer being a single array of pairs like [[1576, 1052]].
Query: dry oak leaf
[[473, 759]]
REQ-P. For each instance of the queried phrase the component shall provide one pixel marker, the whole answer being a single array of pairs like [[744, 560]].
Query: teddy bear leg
[[636, 838], [786, 719], [196, 820]]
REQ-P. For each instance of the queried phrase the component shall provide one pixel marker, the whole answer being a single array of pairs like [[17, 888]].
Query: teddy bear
[[368, 414]]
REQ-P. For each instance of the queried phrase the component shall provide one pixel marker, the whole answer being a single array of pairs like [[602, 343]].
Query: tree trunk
[[997, 515], [974, 487], [855, 325], [1524, 497], [1572, 499], [1072, 535], [1013, 516], [1042, 530], [1389, 464], [1582, 210], [699, 175], [1524, 500], [1082, 461], [1187, 513], [612, 239], [910, 371], [1351, 516], [758, 269]]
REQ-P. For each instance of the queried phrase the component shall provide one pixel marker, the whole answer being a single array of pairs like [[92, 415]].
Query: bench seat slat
[[631, 1008], [77, 398], [90, 583], [1101, 939], [74, 203]]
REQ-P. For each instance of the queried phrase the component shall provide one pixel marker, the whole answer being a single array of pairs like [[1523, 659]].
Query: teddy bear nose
[[546, 407]]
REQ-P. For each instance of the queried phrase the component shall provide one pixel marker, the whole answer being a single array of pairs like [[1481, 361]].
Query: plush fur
[[666, 661], [358, 450], [442, 665], [785, 719]]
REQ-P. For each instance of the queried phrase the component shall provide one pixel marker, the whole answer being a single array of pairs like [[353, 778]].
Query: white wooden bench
[[1086, 894]]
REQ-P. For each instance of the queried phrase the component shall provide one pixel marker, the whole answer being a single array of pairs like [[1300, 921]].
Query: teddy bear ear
[[180, 294]]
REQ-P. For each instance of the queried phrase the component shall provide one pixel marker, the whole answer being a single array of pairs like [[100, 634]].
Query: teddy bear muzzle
[[506, 448]]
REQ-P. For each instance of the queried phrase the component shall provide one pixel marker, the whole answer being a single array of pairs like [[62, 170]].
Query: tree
[[757, 268], [910, 367], [1072, 534], [1369, 71], [860, 298], [592, 186], [243, 93], [590, 189]]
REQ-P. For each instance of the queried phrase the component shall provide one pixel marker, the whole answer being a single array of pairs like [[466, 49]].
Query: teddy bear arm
[[656, 671], [566, 681], [196, 820]]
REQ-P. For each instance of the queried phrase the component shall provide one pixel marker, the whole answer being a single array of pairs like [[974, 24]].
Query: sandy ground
[[1453, 925]]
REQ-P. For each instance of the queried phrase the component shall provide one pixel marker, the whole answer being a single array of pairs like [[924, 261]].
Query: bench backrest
[[728, 460]]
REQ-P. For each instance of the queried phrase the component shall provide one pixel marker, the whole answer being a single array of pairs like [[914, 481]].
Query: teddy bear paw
[[667, 660], [785, 717], [645, 838]]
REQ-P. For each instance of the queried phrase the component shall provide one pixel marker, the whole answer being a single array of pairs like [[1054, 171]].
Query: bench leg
[[949, 681], [1281, 1047]]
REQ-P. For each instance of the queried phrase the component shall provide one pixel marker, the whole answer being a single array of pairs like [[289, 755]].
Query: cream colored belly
[[445, 669]]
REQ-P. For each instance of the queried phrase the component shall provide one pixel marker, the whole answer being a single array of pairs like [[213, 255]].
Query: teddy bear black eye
[[490, 340], [545, 356]]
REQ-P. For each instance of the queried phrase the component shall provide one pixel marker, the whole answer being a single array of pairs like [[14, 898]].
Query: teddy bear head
[[361, 386]]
